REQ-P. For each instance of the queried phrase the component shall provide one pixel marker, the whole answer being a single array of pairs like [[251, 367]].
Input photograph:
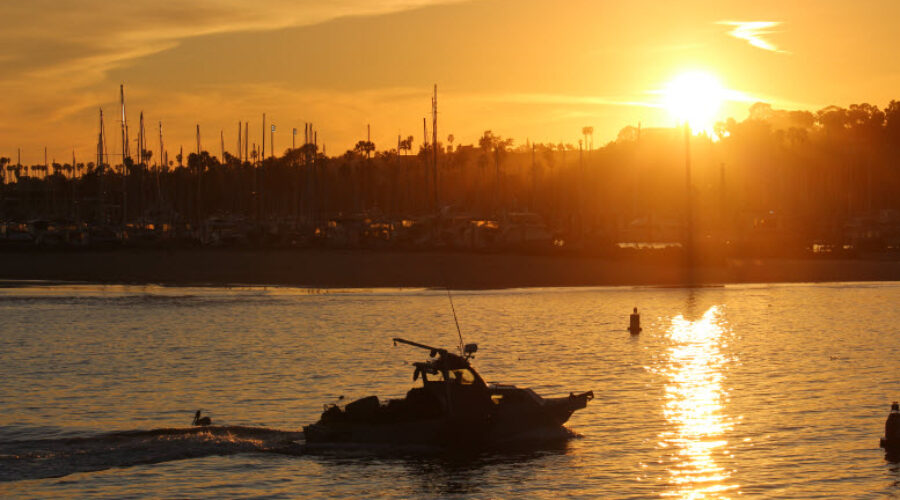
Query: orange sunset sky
[[527, 69]]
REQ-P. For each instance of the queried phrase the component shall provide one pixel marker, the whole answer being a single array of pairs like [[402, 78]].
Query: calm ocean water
[[738, 391]]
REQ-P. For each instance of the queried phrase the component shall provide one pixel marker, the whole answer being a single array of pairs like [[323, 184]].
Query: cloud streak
[[52, 37], [56, 55], [753, 32]]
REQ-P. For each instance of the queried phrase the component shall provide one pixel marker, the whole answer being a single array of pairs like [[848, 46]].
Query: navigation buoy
[[891, 439], [634, 325]]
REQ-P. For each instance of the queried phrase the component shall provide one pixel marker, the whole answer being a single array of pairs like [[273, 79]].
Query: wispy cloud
[[47, 37], [753, 32], [56, 55]]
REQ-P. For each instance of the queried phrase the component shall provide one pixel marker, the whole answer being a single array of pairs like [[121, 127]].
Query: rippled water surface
[[738, 391]]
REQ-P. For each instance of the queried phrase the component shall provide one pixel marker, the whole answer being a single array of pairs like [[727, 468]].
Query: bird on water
[[201, 421]]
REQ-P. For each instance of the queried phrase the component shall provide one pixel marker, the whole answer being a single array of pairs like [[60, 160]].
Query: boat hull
[[509, 423]]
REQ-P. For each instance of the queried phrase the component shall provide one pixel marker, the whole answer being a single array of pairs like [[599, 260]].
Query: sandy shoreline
[[365, 269]]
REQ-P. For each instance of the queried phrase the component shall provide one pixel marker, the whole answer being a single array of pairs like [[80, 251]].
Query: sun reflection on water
[[693, 408]]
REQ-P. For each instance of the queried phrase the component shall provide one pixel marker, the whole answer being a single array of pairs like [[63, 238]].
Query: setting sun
[[694, 97]]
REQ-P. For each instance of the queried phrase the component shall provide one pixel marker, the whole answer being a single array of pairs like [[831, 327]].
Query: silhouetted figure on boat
[[891, 438], [634, 325], [201, 421]]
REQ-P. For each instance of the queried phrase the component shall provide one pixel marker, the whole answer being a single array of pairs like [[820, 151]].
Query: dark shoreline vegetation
[[372, 269], [778, 185]]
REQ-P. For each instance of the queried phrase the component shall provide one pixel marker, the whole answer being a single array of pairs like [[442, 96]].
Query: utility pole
[[222, 143], [240, 155], [263, 154], [198, 140], [581, 195], [272, 142], [689, 219], [533, 179], [635, 181]]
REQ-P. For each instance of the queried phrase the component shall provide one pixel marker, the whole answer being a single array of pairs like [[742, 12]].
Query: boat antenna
[[462, 351], [455, 320]]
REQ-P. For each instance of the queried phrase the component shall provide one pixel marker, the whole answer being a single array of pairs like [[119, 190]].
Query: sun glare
[[696, 98]]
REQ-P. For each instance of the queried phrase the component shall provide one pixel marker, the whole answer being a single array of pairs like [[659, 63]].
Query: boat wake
[[58, 457], [45, 458]]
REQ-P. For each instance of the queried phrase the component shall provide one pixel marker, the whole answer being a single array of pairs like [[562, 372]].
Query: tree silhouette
[[4, 161], [364, 148], [588, 132]]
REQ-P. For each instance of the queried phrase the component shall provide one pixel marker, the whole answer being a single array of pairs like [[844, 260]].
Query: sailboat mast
[[434, 141], [425, 162], [100, 142], [161, 154], [140, 143], [124, 156], [159, 167]]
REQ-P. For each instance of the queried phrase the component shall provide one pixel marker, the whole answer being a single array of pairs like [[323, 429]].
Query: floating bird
[[201, 421]]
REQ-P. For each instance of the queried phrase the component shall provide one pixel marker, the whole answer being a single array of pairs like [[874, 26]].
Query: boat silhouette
[[454, 408]]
